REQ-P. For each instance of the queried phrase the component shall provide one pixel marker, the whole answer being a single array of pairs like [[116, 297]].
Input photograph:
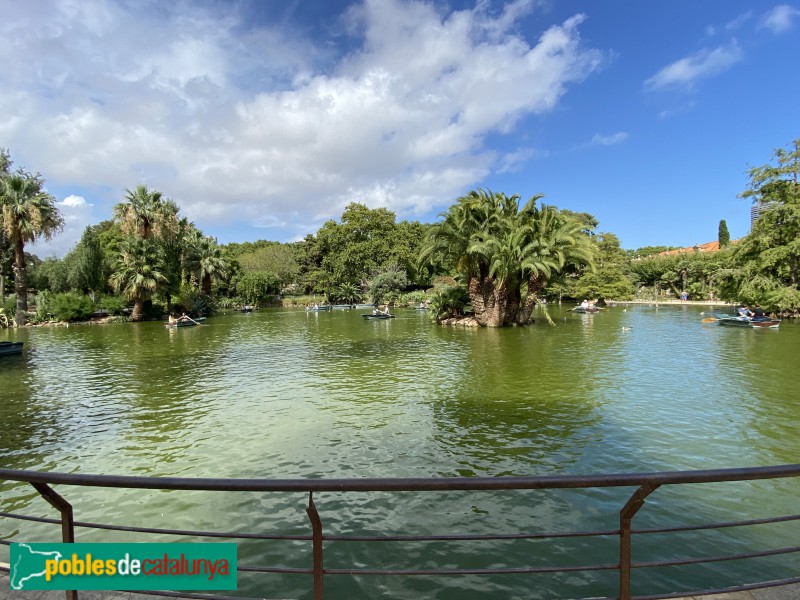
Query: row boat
[[10, 348], [185, 323], [378, 316], [585, 309], [765, 323], [317, 308]]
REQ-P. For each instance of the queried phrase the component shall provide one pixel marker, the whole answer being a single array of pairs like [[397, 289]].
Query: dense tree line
[[488, 255]]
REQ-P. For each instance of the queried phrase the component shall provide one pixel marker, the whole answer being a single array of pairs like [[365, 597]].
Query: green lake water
[[283, 394]]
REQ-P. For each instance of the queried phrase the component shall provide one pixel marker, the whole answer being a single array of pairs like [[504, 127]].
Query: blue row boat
[[763, 323], [7, 348]]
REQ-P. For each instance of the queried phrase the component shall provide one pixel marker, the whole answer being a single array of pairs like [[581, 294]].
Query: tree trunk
[[206, 284], [513, 305], [2, 288], [497, 313], [481, 295], [138, 310], [535, 285], [20, 282]]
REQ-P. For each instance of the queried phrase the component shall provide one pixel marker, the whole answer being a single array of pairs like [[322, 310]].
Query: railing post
[[316, 537], [67, 521], [626, 515]]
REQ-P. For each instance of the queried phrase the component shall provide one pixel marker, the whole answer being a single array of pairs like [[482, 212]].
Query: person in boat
[[386, 310], [744, 311], [758, 313], [585, 304], [172, 320], [183, 317], [375, 311]]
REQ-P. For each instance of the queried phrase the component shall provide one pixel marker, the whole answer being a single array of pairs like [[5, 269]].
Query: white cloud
[[608, 140], [705, 63], [77, 215], [512, 162], [259, 124], [738, 21], [780, 19]]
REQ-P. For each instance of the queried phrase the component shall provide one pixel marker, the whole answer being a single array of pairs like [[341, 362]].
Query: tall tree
[[147, 216], [137, 272], [364, 244], [89, 273], [767, 262], [28, 213], [6, 249], [723, 236], [146, 213], [501, 249], [211, 266], [609, 280]]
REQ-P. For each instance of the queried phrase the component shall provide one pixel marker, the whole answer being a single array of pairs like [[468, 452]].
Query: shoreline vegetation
[[489, 260], [463, 321]]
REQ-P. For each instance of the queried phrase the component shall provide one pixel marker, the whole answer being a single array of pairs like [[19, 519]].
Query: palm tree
[[27, 213], [500, 250], [348, 292], [211, 266], [137, 273], [146, 214]]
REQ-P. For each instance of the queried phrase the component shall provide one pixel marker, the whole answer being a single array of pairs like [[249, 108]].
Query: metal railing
[[645, 484]]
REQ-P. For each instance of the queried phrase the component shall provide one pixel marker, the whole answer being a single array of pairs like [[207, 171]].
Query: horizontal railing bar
[[189, 595], [720, 525], [498, 571], [405, 484], [464, 537], [186, 532], [695, 561], [286, 570], [726, 590], [331, 538]]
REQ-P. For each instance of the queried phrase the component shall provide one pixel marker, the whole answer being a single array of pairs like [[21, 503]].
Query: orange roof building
[[709, 247]]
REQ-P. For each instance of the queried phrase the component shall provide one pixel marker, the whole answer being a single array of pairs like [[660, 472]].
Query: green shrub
[[225, 303], [71, 306], [44, 310], [448, 302], [414, 297], [118, 319], [113, 305]]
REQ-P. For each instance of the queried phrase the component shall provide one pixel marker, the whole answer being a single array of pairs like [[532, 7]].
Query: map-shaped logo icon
[[28, 564]]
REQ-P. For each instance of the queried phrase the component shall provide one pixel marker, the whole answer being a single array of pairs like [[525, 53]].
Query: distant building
[[709, 247], [757, 210]]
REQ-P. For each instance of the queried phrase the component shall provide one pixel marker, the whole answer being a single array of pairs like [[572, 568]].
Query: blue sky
[[263, 119]]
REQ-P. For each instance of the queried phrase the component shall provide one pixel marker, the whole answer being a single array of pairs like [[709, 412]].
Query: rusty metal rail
[[645, 484]]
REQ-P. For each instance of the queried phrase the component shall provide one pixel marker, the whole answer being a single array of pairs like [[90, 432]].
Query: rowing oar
[[192, 320], [710, 319]]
